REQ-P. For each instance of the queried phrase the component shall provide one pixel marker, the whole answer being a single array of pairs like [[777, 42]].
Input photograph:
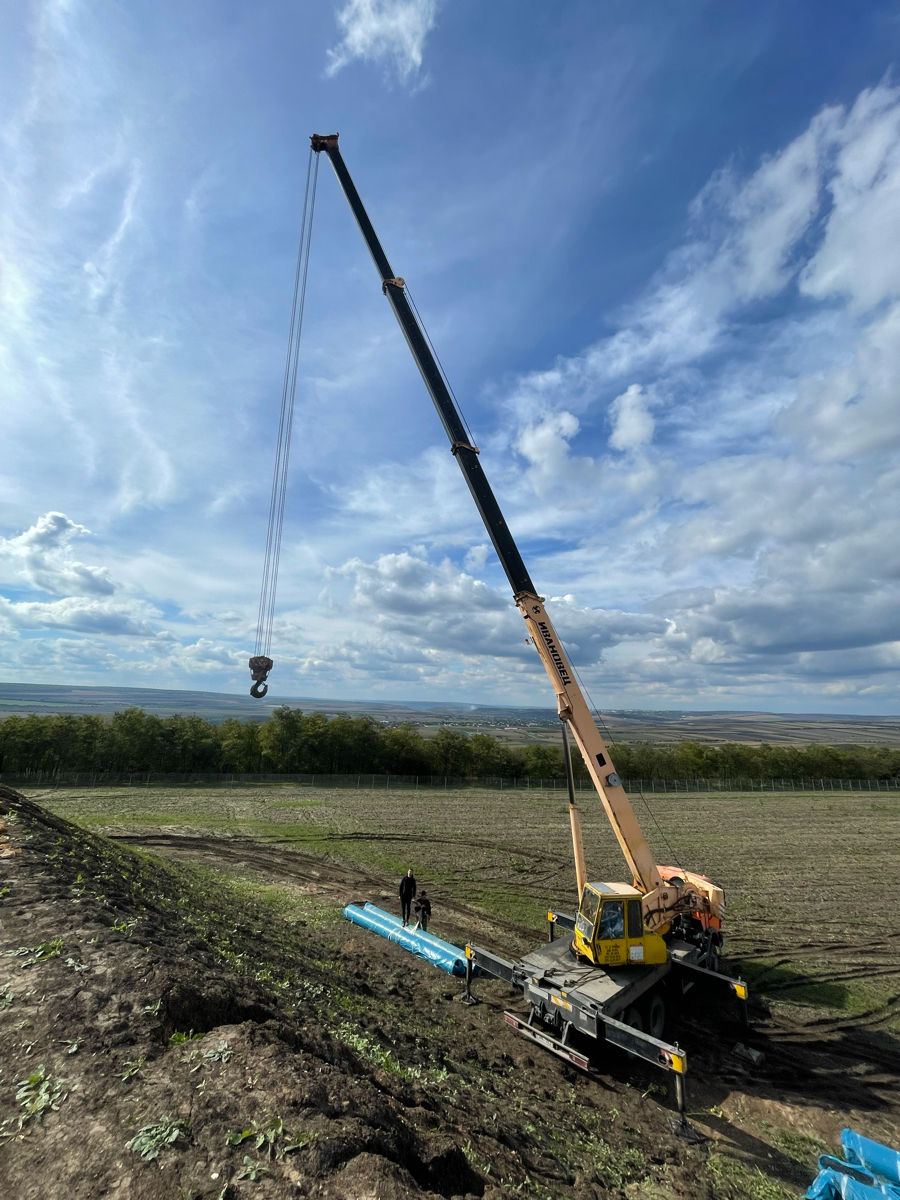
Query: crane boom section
[[466, 454], [574, 710], [662, 897]]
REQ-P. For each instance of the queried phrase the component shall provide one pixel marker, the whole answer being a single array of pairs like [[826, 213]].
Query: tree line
[[293, 742]]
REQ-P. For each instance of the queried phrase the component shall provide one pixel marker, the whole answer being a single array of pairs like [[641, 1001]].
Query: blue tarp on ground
[[435, 950], [868, 1171]]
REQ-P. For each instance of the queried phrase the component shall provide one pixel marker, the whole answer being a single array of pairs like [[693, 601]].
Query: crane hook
[[260, 666]]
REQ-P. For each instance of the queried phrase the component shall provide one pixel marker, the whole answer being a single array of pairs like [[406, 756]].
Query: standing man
[[407, 894]]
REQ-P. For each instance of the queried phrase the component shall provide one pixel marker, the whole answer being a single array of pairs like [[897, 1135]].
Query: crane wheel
[[656, 1016], [634, 1017]]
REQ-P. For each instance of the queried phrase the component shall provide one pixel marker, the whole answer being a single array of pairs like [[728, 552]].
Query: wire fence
[[90, 779]]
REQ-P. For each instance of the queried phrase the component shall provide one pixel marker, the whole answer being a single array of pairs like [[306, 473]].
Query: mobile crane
[[607, 981]]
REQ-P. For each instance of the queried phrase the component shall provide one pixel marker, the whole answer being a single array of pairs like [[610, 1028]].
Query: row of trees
[[295, 742]]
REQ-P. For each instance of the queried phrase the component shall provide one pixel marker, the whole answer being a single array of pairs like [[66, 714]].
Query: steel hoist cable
[[261, 664]]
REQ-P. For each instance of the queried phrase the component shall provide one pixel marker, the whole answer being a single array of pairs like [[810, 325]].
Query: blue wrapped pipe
[[879, 1159], [433, 949]]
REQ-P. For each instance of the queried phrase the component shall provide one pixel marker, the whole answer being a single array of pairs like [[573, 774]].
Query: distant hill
[[514, 725], [22, 698]]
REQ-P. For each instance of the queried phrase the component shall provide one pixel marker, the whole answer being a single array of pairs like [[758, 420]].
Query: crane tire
[[656, 1015], [634, 1017]]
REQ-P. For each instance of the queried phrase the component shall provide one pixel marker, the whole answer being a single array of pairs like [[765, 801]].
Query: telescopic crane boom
[[667, 894]]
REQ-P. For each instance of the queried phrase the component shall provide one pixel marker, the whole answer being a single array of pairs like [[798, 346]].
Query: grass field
[[807, 875]]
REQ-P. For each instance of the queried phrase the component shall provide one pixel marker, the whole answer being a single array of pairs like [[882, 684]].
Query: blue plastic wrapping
[[433, 949], [880, 1160], [871, 1172], [838, 1180]]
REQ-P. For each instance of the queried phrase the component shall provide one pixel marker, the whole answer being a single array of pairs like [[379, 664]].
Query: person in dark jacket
[[423, 912], [407, 894]]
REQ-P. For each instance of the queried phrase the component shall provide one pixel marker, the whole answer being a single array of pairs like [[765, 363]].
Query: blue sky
[[657, 248]]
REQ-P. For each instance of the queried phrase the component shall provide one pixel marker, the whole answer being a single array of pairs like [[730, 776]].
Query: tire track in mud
[[838, 1068], [533, 879], [840, 974], [847, 1071], [271, 860], [851, 1058], [273, 863], [825, 960]]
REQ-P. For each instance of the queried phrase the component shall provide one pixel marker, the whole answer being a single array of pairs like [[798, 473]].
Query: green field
[[805, 874]]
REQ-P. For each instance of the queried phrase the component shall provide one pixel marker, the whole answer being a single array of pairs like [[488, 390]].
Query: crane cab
[[609, 928]]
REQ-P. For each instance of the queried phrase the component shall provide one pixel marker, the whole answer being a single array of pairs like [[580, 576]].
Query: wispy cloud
[[391, 33]]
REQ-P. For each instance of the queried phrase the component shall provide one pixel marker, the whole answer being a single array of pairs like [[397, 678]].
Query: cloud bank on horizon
[[681, 366]]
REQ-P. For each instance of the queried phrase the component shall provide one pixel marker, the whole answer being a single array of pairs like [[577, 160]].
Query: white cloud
[[421, 499], [433, 612], [205, 656], [751, 239], [399, 584], [770, 212], [852, 411], [42, 556], [120, 618], [859, 257], [390, 32], [476, 557], [552, 468], [632, 424]]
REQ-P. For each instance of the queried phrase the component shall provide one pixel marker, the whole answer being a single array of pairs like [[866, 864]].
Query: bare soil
[[162, 1035]]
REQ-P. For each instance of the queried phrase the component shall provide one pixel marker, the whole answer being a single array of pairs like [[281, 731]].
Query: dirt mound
[[161, 1035]]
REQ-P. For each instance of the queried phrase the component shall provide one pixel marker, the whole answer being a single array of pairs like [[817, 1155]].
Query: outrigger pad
[[682, 1128]]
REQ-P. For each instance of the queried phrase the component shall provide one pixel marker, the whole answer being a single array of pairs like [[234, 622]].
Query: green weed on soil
[[745, 1181]]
